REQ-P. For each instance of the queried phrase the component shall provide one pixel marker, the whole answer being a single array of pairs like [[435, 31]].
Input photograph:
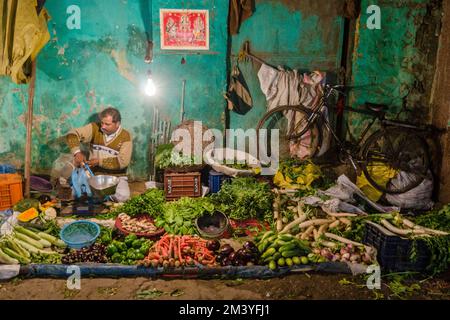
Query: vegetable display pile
[[179, 216], [166, 157], [25, 246], [95, 253], [150, 203], [245, 198], [177, 251], [248, 255], [129, 251], [136, 225], [439, 220], [280, 249]]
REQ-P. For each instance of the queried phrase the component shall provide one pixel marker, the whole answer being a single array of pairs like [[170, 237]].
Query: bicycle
[[395, 149]]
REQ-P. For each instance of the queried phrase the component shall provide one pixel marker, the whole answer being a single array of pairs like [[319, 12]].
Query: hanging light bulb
[[150, 88]]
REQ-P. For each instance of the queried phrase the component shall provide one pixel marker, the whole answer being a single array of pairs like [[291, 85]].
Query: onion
[[355, 257], [346, 256], [366, 258]]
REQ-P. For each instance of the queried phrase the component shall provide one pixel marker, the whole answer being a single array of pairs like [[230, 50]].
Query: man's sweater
[[114, 153]]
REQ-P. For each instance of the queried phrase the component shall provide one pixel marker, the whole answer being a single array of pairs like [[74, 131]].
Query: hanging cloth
[[240, 10], [290, 87], [238, 95], [23, 33]]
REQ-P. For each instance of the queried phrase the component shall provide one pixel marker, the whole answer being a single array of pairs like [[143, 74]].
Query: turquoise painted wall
[[304, 35], [396, 62], [82, 71]]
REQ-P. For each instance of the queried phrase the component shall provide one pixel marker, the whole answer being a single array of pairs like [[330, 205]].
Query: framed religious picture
[[183, 29]]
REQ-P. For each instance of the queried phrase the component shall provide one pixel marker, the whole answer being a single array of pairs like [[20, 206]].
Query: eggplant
[[232, 256], [226, 262], [249, 245], [220, 257], [213, 245], [226, 249], [248, 256]]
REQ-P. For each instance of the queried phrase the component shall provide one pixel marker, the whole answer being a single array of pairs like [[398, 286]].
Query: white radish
[[314, 222], [294, 223], [343, 240]]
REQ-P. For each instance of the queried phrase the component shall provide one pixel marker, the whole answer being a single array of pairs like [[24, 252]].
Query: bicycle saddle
[[376, 107]]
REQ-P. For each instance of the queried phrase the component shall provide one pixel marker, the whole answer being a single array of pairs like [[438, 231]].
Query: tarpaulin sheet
[[114, 270]]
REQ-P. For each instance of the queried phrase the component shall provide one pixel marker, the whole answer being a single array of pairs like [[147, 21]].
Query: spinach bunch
[[245, 198], [151, 202], [166, 157], [179, 216]]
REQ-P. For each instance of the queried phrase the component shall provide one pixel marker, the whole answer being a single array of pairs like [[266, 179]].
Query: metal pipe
[[183, 92]]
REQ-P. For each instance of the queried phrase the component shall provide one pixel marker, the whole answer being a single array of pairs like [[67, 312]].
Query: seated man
[[110, 149]]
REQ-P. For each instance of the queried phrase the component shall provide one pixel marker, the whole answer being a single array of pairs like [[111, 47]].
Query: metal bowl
[[103, 185]]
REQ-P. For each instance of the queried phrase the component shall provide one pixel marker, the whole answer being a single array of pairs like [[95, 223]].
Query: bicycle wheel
[[290, 121], [396, 160]]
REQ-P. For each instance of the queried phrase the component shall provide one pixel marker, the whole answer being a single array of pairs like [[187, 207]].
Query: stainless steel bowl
[[103, 185]]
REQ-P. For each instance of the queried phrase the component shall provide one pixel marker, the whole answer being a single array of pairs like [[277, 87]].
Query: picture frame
[[183, 29]]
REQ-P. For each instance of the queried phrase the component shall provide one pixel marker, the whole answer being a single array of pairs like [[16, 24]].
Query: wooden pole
[[29, 123]]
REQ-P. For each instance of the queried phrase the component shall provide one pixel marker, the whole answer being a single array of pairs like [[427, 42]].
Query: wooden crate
[[177, 185]]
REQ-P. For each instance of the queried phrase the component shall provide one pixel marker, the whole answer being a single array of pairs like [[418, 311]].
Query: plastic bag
[[383, 174], [417, 198], [80, 183]]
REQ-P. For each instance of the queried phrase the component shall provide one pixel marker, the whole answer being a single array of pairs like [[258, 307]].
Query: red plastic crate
[[177, 185], [11, 190]]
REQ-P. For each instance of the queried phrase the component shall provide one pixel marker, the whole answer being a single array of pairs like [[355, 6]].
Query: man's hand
[[93, 162], [79, 158]]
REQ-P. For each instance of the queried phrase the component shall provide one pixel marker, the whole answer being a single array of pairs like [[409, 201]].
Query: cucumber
[[286, 237], [291, 253], [275, 256], [281, 243], [288, 247], [267, 234], [268, 253], [267, 243]]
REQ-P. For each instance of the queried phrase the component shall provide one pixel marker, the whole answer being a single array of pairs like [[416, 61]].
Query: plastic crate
[[393, 252], [10, 190], [177, 185], [7, 168], [215, 180]]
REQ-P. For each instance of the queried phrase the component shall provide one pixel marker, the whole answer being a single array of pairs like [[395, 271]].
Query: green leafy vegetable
[[179, 216], [245, 198], [150, 202], [166, 157]]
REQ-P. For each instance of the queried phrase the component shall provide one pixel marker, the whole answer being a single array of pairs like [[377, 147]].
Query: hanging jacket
[[239, 11], [238, 95], [23, 33]]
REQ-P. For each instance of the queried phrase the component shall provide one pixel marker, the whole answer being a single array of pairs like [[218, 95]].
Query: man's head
[[109, 120]]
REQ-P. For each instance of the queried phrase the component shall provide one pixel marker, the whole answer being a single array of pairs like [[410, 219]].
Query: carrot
[[170, 247], [179, 251], [208, 255]]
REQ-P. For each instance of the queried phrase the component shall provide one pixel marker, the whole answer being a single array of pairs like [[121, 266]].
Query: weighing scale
[[83, 206]]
